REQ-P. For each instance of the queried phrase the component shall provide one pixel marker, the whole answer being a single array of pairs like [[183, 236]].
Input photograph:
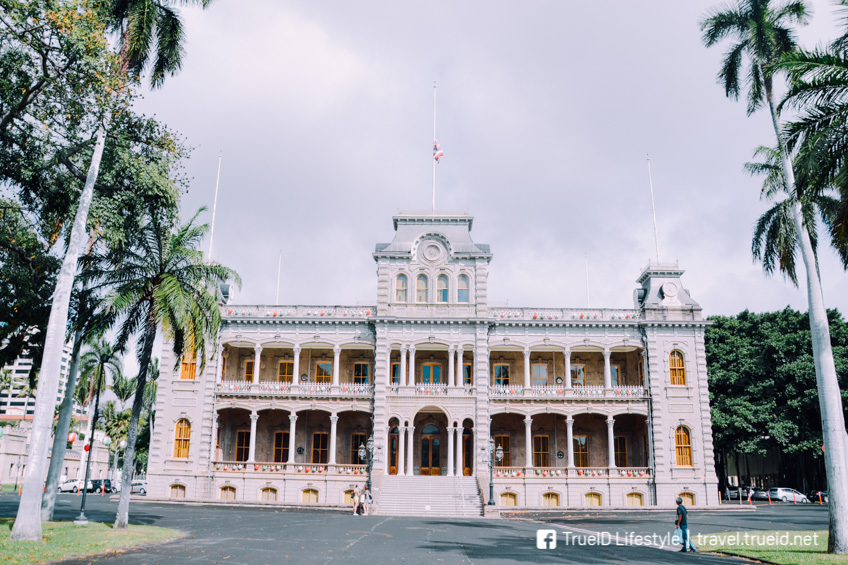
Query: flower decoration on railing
[[508, 473], [629, 391], [588, 390], [590, 473], [297, 311], [507, 390], [431, 389]]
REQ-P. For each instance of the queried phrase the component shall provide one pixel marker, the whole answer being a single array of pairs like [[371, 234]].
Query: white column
[[251, 454], [528, 441], [611, 442], [401, 450], [451, 370], [460, 368], [292, 420], [567, 367], [337, 353], [387, 460], [296, 367], [411, 377], [256, 363], [569, 438], [409, 465], [526, 368], [402, 376], [451, 432], [213, 448], [334, 420], [460, 455], [607, 369]]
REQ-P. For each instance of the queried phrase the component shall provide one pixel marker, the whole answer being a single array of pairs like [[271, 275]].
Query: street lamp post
[[17, 471], [119, 447], [369, 453], [494, 455], [81, 520]]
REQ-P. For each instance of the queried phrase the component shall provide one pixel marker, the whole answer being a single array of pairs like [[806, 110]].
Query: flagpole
[[586, 259], [434, 142], [653, 210], [214, 207]]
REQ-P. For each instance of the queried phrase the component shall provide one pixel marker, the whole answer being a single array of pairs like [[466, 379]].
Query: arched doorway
[[430, 451], [467, 452]]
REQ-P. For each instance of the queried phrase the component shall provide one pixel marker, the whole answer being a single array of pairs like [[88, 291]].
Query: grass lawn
[[807, 547], [63, 540], [8, 487]]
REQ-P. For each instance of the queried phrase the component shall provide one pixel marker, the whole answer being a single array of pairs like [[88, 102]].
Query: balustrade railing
[[290, 468], [290, 389], [573, 473], [561, 391], [431, 389]]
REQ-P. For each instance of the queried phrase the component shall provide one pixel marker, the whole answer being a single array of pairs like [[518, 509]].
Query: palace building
[[586, 406]]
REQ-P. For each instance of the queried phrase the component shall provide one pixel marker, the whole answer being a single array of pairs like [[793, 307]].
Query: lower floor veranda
[[430, 442]]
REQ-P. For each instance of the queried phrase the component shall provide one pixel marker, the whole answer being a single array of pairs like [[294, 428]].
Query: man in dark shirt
[[682, 522]]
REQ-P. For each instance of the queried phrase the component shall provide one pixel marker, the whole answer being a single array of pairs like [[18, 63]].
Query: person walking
[[357, 499], [682, 522], [366, 501]]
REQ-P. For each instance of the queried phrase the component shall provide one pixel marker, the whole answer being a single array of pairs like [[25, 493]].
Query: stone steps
[[429, 496]]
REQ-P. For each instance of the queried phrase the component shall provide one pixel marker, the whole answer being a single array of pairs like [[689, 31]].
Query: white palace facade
[[591, 407]]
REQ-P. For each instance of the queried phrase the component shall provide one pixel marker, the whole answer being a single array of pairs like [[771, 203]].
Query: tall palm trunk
[[28, 521], [60, 438], [830, 398], [123, 515]]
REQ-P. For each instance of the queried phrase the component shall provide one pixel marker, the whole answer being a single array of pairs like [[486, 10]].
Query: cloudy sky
[[324, 114]]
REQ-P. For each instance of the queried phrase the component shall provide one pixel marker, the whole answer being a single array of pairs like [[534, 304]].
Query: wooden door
[[467, 455], [430, 453], [393, 452]]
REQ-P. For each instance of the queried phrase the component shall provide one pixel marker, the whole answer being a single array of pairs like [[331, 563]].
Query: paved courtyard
[[229, 535]]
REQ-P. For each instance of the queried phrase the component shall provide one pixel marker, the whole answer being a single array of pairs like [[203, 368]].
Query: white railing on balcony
[[587, 390], [573, 473], [290, 468], [564, 314], [289, 389], [231, 311], [510, 391], [431, 389], [560, 391]]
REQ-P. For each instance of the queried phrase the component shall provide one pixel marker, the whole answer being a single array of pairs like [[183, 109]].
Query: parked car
[[744, 491], [138, 487], [100, 485], [760, 494], [787, 494], [70, 485], [814, 496]]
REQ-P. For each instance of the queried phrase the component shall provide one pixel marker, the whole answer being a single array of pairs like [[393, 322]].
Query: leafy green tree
[[161, 281], [763, 392], [762, 34]]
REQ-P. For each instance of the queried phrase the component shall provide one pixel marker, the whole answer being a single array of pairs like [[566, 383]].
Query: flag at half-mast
[[437, 151]]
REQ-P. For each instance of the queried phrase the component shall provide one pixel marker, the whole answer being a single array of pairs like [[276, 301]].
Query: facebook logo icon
[[546, 539]]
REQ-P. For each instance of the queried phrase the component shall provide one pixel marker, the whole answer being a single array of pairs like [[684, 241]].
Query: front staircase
[[456, 497]]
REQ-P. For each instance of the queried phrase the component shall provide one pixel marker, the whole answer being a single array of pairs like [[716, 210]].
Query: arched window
[[310, 495], [269, 494], [683, 443], [688, 498], [509, 499], [634, 499], [676, 368], [442, 289], [550, 499], [400, 289], [181, 438], [421, 289], [228, 493], [592, 499], [462, 289], [177, 491]]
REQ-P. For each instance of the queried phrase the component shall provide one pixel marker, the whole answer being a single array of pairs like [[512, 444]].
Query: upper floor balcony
[[301, 390], [233, 312], [508, 392]]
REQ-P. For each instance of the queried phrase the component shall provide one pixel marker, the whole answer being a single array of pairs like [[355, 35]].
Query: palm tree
[[143, 25], [762, 35], [775, 234], [161, 280], [123, 388], [6, 385]]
